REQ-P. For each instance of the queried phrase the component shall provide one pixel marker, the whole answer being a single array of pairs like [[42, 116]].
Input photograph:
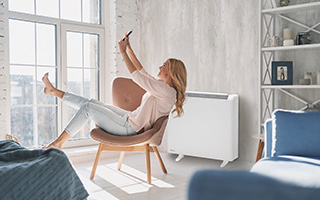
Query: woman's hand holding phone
[[124, 43]]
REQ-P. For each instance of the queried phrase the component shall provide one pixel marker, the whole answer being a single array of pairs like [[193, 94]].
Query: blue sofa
[[289, 170]]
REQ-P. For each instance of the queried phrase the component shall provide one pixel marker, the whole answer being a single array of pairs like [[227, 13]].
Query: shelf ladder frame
[[267, 29]]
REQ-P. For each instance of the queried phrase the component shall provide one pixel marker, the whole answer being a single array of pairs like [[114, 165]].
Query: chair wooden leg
[[120, 160], [147, 152], [155, 149], [260, 150], [96, 161]]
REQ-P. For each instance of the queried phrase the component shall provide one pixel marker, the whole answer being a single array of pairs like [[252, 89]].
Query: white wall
[[120, 16], [217, 40]]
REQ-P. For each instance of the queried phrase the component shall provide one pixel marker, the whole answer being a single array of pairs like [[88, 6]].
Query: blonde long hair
[[178, 73]]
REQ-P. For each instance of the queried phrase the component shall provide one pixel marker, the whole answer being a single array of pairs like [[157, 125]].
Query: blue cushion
[[243, 185], [292, 170], [296, 133]]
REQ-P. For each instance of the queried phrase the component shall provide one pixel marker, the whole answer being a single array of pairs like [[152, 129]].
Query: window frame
[[76, 28], [62, 26]]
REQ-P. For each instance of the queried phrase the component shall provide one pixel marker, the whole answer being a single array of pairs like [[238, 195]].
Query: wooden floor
[[130, 182]]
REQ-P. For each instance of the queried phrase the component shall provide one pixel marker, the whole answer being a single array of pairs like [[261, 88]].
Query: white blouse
[[156, 102]]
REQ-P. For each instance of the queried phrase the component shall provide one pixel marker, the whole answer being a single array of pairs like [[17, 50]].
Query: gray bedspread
[[37, 174]]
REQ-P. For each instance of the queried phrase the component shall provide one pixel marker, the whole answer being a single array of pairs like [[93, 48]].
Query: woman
[[158, 101]]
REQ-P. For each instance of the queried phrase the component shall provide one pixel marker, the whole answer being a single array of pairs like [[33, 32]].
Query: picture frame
[[282, 73], [303, 38]]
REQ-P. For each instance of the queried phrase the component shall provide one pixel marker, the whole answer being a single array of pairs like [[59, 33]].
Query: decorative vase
[[304, 81], [287, 34], [274, 41], [284, 2], [318, 77], [288, 42], [308, 75]]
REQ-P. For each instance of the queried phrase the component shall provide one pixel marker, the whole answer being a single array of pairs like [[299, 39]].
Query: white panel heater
[[208, 128]]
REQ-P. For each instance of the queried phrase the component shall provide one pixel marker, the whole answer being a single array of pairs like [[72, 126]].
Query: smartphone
[[129, 32]]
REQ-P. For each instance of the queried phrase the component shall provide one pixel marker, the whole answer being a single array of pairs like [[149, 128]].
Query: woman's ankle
[[59, 93]]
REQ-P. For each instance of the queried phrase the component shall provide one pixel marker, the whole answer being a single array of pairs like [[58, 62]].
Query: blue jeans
[[110, 118]]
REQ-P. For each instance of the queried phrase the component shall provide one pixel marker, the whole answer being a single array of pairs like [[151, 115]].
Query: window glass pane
[[47, 124], [46, 44], [25, 6], [74, 49], [75, 81], [91, 11], [22, 125], [90, 50], [71, 9], [90, 89], [22, 85], [49, 8], [22, 42], [41, 97]]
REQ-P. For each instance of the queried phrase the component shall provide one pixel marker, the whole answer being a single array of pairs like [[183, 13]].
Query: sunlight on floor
[[128, 179], [95, 191]]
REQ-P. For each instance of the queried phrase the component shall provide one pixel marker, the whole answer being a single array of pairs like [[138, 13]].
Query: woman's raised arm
[[123, 45], [133, 57]]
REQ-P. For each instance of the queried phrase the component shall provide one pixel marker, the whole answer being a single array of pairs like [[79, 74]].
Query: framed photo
[[282, 73]]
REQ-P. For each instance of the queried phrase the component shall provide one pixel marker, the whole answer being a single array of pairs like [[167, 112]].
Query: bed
[[37, 174]]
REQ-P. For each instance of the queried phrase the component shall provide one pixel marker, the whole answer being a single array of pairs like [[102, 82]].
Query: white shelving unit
[[287, 48], [268, 17], [291, 9]]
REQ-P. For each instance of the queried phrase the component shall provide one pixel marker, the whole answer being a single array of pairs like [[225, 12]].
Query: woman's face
[[164, 71]]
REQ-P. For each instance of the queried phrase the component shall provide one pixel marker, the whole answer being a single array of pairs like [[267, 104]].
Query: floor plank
[[130, 182]]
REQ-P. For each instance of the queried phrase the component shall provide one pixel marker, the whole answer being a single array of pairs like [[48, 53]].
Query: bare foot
[[59, 141], [49, 89]]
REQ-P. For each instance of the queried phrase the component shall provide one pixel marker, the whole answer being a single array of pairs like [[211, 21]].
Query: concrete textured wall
[[218, 42], [125, 19]]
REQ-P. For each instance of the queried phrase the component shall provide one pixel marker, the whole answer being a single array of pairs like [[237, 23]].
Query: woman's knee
[[90, 105], [85, 107]]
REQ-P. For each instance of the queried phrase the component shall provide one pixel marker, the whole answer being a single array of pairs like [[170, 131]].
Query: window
[[45, 42], [30, 108], [82, 74], [87, 11]]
